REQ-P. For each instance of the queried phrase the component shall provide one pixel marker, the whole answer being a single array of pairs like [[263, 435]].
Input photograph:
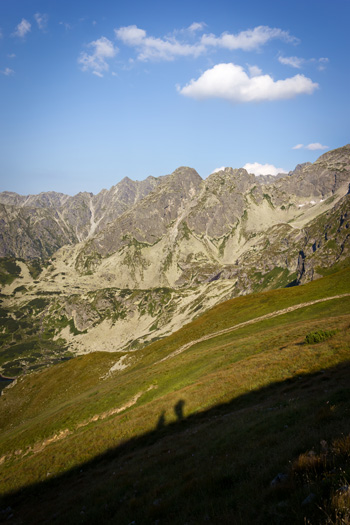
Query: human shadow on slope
[[213, 466], [178, 411], [161, 421]]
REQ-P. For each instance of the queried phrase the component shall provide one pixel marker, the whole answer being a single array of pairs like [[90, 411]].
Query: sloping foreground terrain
[[241, 416]]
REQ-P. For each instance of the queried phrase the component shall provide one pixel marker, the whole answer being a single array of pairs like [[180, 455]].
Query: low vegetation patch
[[319, 336], [9, 270], [320, 478], [35, 267]]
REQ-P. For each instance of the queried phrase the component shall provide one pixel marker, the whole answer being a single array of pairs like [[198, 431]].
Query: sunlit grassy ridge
[[263, 426]]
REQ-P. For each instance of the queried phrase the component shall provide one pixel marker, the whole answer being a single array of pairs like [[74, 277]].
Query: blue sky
[[91, 92]]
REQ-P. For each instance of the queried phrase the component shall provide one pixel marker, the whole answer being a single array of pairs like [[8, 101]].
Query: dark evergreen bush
[[319, 336]]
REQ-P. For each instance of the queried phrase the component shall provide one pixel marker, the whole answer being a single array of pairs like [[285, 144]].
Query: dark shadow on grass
[[179, 409], [214, 466], [161, 421]]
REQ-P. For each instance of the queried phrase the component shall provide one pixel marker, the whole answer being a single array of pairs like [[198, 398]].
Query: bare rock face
[[326, 241], [108, 205], [35, 226], [50, 199], [324, 177], [221, 202], [148, 220], [179, 229], [32, 232]]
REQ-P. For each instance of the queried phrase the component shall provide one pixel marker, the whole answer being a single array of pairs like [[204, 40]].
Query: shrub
[[319, 336], [20, 289]]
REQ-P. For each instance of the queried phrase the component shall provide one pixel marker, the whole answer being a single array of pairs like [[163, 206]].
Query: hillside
[[213, 423]]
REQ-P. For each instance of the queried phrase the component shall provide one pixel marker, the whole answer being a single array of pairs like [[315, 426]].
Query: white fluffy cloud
[[131, 35], [169, 47], [96, 62], [23, 28], [41, 20], [254, 71], [262, 169], [231, 82], [312, 147], [150, 48]]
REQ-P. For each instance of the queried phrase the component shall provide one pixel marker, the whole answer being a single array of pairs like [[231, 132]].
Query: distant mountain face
[[189, 230], [37, 225], [201, 241], [177, 229]]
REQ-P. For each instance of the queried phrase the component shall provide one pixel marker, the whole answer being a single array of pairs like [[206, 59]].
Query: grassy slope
[[232, 371]]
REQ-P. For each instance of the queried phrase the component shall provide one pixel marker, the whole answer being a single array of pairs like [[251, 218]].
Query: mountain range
[[116, 270]]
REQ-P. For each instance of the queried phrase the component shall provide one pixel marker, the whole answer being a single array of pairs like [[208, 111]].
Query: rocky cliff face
[[37, 225], [189, 230], [28, 233]]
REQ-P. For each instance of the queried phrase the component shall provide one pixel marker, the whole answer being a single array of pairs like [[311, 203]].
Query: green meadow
[[249, 426]]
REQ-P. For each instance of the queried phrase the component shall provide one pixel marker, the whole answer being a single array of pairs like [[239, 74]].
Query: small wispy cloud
[[41, 20], [11, 55], [97, 61], [22, 28], [232, 83], [66, 25], [196, 26], [251, 39], [322, 63], [7, 72], [315, 146], [170, 47], [151, 48], [263, 169], [296, 62], [299, 62], [312, 147]]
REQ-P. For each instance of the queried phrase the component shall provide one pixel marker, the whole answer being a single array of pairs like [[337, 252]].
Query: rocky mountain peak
[[126, 180], [299, 167], [184, 175], [238, 180], [48, 199], [336, 159]]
